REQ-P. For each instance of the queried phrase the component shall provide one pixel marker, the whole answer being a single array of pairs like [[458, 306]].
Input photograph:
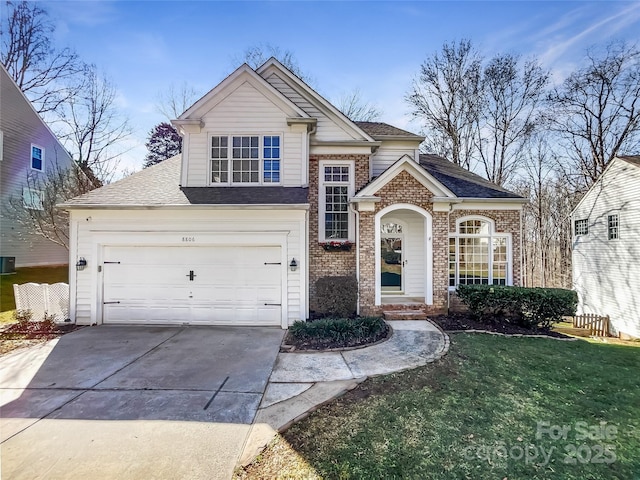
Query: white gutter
[[244, 206]]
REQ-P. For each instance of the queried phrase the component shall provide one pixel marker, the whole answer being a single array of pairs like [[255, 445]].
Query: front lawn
[[25, 275], [493, 407]]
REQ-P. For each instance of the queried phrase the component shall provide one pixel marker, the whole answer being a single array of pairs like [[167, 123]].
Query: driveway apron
[[133, 402]]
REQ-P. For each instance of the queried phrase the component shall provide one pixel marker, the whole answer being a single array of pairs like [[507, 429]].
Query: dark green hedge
[[527, 307], [336, 296], [338, 330]]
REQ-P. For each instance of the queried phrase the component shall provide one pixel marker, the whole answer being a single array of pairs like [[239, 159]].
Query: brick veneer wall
[[404, 188], [321, 262]]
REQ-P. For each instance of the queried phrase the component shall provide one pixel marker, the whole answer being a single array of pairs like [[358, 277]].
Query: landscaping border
[[286, 348], [568, 339]]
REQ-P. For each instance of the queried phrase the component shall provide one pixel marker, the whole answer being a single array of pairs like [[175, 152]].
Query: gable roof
[[158, 186], [462, 182], [380, 130], [244, 73], [312, 96]]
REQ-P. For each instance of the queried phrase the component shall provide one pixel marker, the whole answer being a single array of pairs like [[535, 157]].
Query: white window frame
[[322, 198], [42, 149], [616, 227], [575, 227], [490, 237], [31, 193], [230, 159]]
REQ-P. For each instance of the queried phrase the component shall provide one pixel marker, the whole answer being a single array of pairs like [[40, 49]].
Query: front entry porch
[[403, 256]]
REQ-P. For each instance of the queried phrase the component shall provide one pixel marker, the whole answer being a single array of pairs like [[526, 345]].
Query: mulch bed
[[293, 344], [464, 321], [25, 334]]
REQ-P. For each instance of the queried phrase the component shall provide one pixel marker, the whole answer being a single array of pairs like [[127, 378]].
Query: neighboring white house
[[606, 246], [275, 188], [27, 147]]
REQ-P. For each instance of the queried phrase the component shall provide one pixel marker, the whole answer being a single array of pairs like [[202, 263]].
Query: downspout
[[456, 251], [357, 213]]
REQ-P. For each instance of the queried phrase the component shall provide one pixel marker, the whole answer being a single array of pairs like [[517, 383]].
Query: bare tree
[[596, 112], [40, 70], [445, 98], [94, 129], [510, 98], [175, 100], [353, 106], [256, 55], [36, 210]]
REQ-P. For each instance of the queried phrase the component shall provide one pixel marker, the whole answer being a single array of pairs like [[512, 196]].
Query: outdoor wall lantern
[[293, 265], [81, 264]]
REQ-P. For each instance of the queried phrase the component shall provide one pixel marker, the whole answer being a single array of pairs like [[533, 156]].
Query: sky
[[376, 47]]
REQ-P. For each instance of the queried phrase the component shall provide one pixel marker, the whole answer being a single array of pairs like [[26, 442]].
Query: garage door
[[213, 285]]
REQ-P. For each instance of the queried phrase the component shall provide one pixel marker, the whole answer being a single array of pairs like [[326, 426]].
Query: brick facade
[[321, 262], [404, 188]]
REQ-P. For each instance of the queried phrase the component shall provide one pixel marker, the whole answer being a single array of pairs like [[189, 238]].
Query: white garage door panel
[[231, 285]]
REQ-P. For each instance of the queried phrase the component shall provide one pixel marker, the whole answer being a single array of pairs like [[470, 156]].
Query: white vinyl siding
[[389, 153], [168, 228], [327, 129], [245, 111], [605, 272]]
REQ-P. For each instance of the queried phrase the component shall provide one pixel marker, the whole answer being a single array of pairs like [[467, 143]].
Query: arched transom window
[[479, 255]]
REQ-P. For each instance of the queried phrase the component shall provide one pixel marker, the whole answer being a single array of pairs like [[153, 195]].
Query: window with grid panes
[[245, 159], [336, 207], [613, 224], [477, 255]]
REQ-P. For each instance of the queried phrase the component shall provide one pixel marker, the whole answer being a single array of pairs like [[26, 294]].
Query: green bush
[[336, 296], [338, 330], [527, 307]]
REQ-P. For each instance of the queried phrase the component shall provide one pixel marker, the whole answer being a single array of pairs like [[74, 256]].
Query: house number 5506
[[188, 239]]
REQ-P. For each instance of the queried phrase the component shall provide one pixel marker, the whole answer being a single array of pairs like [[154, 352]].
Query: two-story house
[[274, 189], [28, 150], [606, 252]]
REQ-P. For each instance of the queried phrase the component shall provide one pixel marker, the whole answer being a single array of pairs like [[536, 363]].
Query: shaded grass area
[[26, 275], [476, 414]]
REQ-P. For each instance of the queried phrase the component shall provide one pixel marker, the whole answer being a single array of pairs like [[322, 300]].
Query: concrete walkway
[[302, 382]]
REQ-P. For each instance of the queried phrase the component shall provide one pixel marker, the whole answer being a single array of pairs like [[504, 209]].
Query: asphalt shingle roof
[[159, 185], [461, 182], [375, 129], [632, 159]]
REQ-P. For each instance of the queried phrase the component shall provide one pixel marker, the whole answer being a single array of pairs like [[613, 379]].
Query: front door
[[391, 258]]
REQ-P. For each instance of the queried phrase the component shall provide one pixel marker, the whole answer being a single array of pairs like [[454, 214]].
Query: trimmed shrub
[[527, 307], [336, 296], [344, 331]]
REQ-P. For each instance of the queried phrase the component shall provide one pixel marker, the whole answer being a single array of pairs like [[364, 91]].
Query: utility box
[[7, 265]]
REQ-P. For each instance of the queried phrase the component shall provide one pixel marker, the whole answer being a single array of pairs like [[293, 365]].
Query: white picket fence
[[43, 299]]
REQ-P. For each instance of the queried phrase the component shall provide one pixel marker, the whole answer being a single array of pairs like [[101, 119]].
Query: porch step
[[407, 314], [403, 306]]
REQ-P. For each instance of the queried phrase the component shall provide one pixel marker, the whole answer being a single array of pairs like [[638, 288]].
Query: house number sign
[[188, 239]]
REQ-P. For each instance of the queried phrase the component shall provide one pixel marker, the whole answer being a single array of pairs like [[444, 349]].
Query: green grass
[[455, 418], [25, 275]]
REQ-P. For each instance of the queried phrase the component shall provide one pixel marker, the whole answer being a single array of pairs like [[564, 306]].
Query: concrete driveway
[[133, 402]]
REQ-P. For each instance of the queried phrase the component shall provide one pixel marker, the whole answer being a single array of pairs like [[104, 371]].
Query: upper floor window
[[479, 255], [581, 227], [336, 187], [37, 158], [613, 225], [245, 159]]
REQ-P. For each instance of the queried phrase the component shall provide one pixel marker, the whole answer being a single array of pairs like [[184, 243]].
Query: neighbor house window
[[37, 158], [336, 184], [479, 255], [32, 199], [582, 227], [245, 159], [613, 224]]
